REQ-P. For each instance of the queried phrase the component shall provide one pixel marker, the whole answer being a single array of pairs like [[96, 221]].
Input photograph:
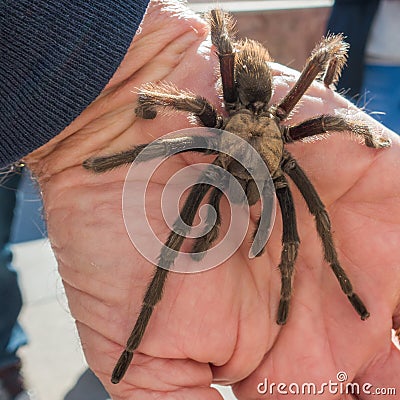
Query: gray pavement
[[53, 362]]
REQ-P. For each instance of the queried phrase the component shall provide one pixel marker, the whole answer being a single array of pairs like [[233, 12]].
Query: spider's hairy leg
[[331, 123], [317, 209], [253, 75], [250, 190], [168, 96], [328, 57], [152, 297], [290, 244], [167, 257], [246, 189], [260, 234], [337, 61], [203, 243], [161, 148], [222, 37]]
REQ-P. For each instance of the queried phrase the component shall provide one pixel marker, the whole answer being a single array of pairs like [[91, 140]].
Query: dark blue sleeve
[[55, 58]]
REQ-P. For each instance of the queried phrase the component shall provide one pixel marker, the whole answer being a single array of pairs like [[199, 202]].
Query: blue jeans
[[11, 334], [382, 92]]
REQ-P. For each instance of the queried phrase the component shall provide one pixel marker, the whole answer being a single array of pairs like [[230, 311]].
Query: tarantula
[[247, 88]]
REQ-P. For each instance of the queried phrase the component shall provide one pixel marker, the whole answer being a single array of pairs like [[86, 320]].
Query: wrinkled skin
[[219, 326]]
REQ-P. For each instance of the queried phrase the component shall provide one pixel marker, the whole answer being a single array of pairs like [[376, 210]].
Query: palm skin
[[219, 326]]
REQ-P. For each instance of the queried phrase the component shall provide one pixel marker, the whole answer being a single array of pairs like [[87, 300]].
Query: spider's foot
[[382, 142], [258, 253], [359, 306], [94, 164], [283, 312], [99, 165], [121, 366], [378, 141], [145, 112]]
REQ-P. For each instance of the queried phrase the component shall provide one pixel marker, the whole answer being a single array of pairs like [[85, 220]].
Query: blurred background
[[289, 29]]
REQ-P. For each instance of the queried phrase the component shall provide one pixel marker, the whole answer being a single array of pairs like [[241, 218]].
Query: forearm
[[57, 56]]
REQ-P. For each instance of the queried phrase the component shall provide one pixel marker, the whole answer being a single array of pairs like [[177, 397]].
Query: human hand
[[220, 325], [322, 337]]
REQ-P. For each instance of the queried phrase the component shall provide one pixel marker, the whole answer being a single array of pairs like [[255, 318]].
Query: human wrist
[[57, 57], [167, 31]]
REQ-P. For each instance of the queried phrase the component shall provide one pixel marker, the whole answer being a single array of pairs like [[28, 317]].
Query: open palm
[[219, 326]]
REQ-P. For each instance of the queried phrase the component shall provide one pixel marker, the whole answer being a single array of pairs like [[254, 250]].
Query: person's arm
[[55, 58], [219, 326]]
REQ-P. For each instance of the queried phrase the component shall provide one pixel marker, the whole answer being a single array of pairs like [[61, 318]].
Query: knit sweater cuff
[[55, 58]]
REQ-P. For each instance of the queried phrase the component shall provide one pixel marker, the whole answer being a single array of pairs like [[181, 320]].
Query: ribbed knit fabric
[[55, 58]]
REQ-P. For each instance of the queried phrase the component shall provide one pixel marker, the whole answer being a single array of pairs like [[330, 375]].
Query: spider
[[246, 90]]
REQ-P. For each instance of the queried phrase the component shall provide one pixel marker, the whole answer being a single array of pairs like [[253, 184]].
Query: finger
[[147, 376], [381, 379], [285, 374], [304, 356]]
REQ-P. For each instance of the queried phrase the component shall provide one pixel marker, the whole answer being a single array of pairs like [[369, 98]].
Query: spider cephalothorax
[[247, 89]]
